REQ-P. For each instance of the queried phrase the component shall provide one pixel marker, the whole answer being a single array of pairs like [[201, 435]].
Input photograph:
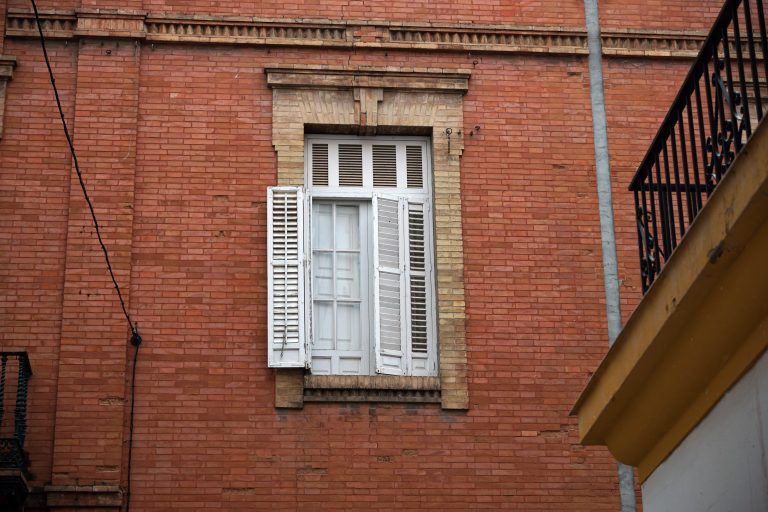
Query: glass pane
[[348, 325], [347, 228], [323, 325], [347, 275], [322, 226], [323, 274]]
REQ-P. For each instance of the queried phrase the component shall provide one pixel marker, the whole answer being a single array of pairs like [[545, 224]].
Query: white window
[[351, 280]]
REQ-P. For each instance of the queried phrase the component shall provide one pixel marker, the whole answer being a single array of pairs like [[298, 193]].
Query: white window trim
[[423, 195]]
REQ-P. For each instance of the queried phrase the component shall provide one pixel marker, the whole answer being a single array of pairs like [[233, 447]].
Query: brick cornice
[[463, 37]]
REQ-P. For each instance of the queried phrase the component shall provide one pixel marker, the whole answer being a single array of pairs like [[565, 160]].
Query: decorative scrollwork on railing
[[720, 102], [651, 253]]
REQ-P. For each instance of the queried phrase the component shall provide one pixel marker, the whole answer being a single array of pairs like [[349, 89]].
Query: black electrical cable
[[135, 341], [135, 337], [131, 325]]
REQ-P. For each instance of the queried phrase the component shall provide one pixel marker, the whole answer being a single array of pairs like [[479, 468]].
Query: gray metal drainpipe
[[607, 233]]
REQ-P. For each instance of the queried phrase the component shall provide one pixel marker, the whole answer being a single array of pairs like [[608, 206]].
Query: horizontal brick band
[[351, 34]]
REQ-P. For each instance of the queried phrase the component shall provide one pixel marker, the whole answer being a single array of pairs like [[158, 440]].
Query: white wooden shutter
[[286, 277], [389, 285], [420, 305]]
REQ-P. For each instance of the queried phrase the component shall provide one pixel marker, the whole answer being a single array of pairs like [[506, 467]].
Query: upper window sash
[[338, 166]]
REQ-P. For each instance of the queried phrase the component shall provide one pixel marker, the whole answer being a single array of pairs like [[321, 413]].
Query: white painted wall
[[722, 465]]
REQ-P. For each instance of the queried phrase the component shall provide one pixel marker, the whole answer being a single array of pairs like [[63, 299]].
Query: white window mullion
[[307, 262], [402, 164], [368, 165], [333, 164]]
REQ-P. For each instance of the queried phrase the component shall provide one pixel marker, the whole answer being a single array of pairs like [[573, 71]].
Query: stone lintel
[[443, 80]]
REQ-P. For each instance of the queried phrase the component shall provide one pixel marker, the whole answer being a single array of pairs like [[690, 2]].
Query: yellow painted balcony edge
[[697, 330]]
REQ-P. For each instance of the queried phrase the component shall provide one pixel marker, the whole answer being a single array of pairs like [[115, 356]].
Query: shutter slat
[[320, 165], [384, 166], [285, 278], [350, 165], [414, 166]]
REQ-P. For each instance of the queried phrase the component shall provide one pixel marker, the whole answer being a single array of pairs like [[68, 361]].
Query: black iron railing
[[721, 102], [15, 372]]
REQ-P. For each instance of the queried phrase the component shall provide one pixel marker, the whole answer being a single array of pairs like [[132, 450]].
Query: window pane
[[347, 275], [322, 229], [323, 273], [347, 228], [323, 324], [348, 323]]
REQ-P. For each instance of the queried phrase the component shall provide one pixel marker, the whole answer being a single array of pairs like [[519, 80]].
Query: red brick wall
[[175, 142]]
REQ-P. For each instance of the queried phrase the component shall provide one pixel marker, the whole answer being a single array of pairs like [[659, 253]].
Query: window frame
[[366, 283], [367, 193]]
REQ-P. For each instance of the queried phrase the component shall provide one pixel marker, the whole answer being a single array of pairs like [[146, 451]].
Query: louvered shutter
[[286, 277], [384, 165], [418, 277], [389, 285], [319, 156], [414, 162], [350, 165]]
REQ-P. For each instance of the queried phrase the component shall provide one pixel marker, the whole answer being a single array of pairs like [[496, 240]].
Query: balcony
[[701, 329], [722, 101], [15, 372]]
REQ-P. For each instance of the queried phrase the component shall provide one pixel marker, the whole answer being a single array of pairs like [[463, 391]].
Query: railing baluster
[[663, 210], [694, 159], [753, 60], [656, 260], [763, 37], [686, 174], [702, 131], [729, 94], [641, 245], [743, 104], [670, 203], [713, 166], [20, 414], [676, 174]]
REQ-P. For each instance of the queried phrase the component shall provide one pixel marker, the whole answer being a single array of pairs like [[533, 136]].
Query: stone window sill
[[365, 388]]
